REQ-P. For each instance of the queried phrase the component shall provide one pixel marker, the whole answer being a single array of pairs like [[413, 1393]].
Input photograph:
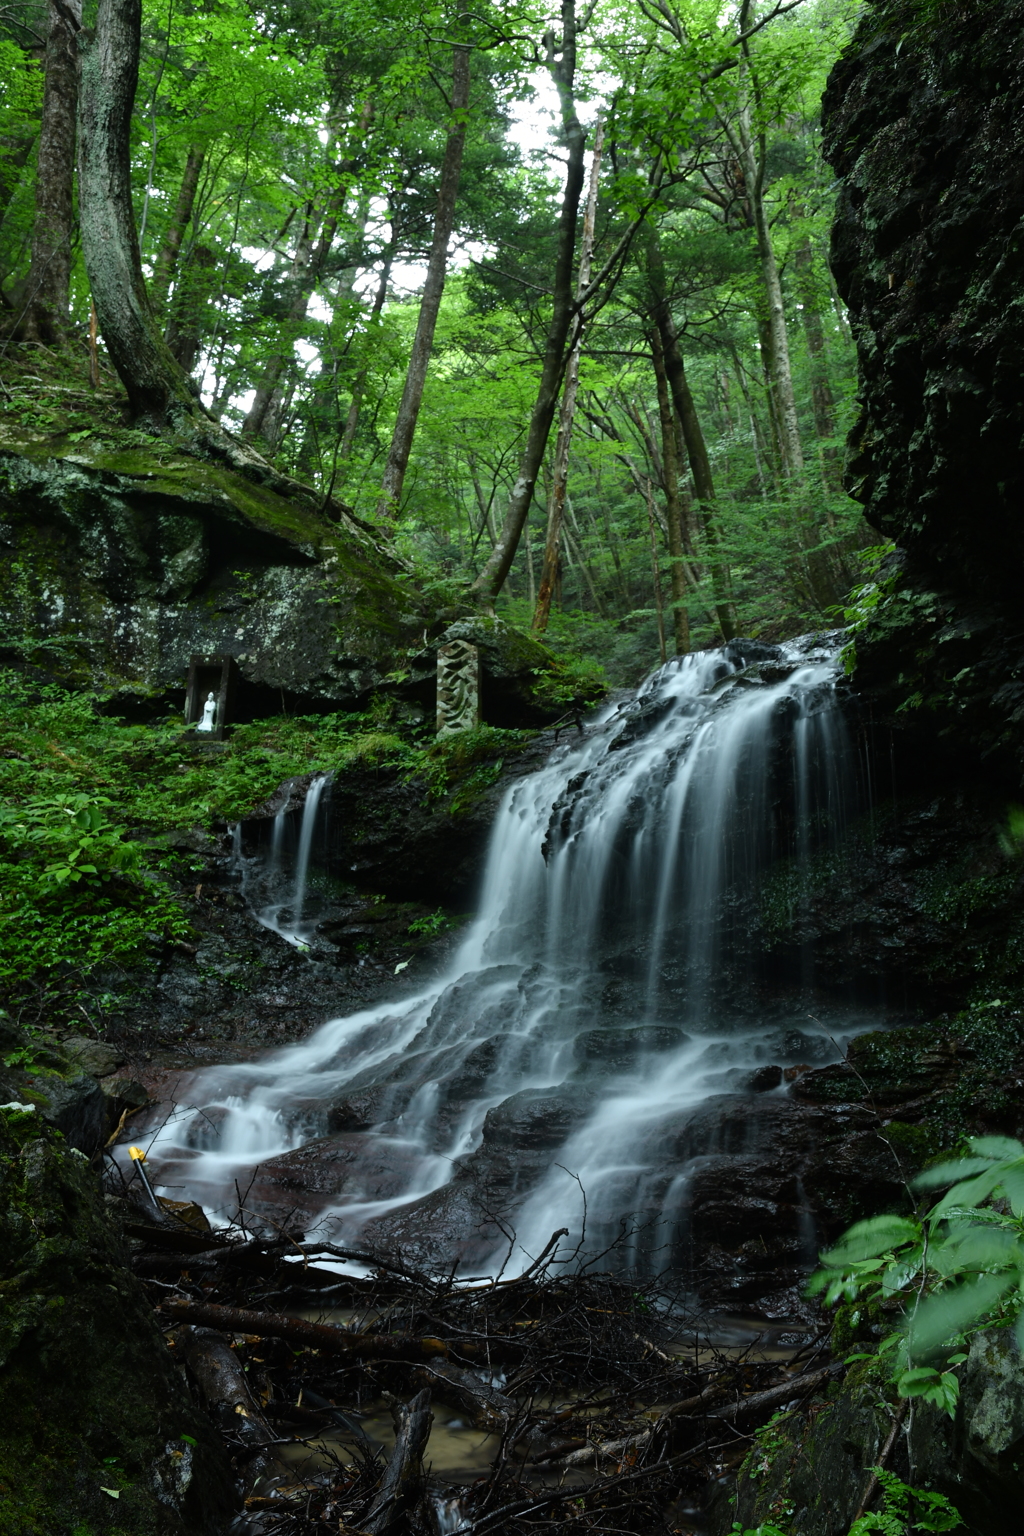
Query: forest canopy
[[542, 292]]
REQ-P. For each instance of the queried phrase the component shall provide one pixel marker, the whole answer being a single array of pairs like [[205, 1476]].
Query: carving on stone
[[458, 687]]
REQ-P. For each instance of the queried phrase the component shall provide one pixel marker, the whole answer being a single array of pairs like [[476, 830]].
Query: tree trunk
[[491, 579], [263, 418], [776, 332], [822, 399], [693, 437], [109, 67], [355, 406], [673, 509], [185, 329], [167, 259], [656, 574], [306, 262], [46, 314], [433, 289], [560, 476]]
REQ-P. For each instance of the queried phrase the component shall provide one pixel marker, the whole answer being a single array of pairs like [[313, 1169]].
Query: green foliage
[[955, 1270], [906, 1509], [760, 1530], [430, 926]]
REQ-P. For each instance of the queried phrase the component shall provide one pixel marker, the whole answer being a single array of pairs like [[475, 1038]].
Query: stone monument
[[458, 687]]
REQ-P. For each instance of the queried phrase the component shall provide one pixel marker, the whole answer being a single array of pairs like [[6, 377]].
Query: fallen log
[[222, 1385], [403, 1478], [206, 1249], [757, 1402], [326, 1336]]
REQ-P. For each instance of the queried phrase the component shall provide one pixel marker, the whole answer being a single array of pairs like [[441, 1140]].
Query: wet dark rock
[[920, 902], [764, 1079], [76, 1328], [622, 1050], [331, 1170], [821, 1456], [75, 1106], [923, 123], [93, 1056], [536, 1119]]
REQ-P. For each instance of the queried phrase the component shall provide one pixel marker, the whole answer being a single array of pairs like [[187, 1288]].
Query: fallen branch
[[327, 1336], [748, 1405], [403, 1479], [745, 1407]]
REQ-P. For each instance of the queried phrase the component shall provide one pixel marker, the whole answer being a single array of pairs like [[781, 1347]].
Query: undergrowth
[[88, 874]]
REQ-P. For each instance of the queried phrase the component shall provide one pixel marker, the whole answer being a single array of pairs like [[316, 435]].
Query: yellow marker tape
[[136, 1154]]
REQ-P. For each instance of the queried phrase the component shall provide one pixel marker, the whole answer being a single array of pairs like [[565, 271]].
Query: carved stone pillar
[[458, 687]]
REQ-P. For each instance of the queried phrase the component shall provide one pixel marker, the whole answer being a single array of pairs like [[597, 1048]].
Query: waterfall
[[604, 1004], [285, 916]]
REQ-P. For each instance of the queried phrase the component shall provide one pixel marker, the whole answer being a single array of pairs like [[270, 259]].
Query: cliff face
[[924, 124]]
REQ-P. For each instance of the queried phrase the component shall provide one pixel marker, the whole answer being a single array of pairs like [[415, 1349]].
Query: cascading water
[[602, 1007], [285, 916]]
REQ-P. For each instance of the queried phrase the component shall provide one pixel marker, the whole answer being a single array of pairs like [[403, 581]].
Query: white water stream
[[607, 969]]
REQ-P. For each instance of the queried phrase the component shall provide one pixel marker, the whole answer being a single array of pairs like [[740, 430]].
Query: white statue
[[209, 712]]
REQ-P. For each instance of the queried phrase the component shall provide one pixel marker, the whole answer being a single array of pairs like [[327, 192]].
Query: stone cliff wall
[[924, 124]]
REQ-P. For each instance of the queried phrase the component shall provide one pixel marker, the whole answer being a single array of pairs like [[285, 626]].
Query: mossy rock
[[123, 557], [97, 1430]]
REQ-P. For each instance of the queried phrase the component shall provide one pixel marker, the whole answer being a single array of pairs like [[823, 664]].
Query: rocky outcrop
[[923, 121], [810, 1467], [123, 556], [97, 1429]]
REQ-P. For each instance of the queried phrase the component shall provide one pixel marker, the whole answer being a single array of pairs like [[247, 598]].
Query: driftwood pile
[[586, 1400]]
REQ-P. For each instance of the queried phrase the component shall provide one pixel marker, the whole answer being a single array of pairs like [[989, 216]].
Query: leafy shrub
[[958, 1269]]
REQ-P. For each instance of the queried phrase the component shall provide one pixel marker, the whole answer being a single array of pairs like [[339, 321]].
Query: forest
[[545, 298], [511, 768]]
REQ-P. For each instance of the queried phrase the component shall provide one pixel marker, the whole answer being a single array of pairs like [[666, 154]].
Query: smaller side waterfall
[[286, 914]]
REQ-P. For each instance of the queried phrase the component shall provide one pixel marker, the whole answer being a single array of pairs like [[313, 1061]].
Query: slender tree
[[46, 306], [673, 506], [561, 63], [433, 289], [693, 436], [166, 264], [567, 411]]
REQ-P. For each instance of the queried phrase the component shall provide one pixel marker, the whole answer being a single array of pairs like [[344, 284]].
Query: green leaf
[[997, 1146], [948, 1313], [868, 1239]]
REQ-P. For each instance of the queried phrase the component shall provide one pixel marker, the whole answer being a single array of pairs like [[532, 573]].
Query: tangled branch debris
[[389, 1402]]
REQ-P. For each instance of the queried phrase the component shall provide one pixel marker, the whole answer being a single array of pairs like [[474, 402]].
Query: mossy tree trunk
[[46, 308], [157, 388]]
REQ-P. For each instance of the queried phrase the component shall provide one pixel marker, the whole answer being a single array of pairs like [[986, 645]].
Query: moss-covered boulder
[[124, 554], [98, 1434], [809, 1468]]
